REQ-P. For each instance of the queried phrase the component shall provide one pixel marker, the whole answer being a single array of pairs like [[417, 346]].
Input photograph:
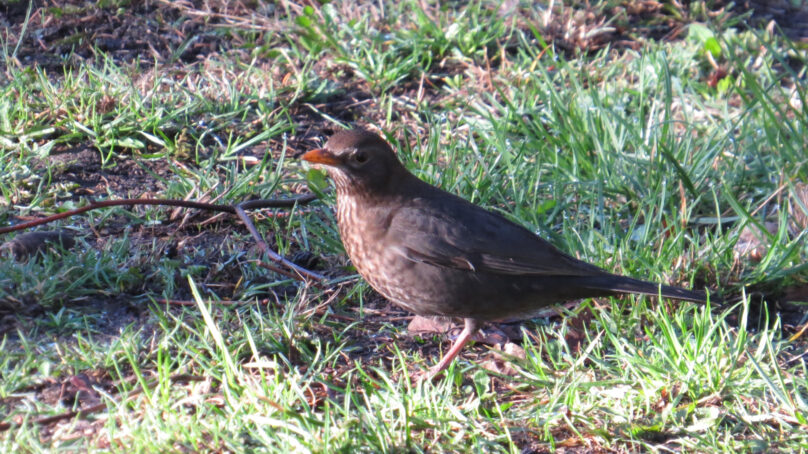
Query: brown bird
[[433, 253]]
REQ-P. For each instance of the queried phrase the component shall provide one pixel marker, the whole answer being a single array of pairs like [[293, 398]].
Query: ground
[[209, 101]]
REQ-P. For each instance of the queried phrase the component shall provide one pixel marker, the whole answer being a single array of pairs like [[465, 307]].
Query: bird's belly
[[432, 290]]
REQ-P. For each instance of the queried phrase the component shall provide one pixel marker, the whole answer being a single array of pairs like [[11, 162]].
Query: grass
[[628, 156]]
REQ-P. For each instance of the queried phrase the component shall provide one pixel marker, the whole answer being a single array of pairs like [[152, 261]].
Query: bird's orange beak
[[321, 156]]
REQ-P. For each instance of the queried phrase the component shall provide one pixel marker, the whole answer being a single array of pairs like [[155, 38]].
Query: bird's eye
[[360, 157]]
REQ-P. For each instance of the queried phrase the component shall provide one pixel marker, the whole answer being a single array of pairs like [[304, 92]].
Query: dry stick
[[252, 204], [84, 412], [262, 302], [300, 272], [113, 203]]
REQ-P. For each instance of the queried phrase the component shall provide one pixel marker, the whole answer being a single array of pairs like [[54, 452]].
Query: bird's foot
[[425, 325], [488, 336], [421, 325], [470, 327]]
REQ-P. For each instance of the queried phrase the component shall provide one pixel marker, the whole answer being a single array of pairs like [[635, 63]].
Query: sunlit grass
[[631, 160]]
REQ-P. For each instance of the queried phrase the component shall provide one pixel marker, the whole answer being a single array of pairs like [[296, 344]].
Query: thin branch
[[84, 412], [299, 273], [274, 256]]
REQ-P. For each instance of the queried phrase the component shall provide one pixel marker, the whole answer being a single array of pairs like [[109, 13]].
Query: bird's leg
[[470, 327]]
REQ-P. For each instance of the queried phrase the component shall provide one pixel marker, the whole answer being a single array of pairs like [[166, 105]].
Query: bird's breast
[[363, 228], [358, 231]]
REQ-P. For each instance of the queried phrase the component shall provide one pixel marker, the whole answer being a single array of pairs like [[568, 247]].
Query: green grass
[[629, 159]]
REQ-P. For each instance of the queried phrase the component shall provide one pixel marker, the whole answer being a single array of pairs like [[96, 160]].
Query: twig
[[4, 426], [275, 257], [249, 205], [300, 273]]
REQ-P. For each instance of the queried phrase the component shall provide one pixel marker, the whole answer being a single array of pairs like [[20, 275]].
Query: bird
[[434, 253]]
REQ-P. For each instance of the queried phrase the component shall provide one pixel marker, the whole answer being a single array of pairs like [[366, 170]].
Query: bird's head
[[359, 161]]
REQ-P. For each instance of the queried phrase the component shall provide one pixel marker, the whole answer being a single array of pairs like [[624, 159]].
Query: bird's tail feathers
[[630, 285]]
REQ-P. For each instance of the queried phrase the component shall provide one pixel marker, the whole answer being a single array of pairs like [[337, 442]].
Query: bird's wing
[[465, 236]]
